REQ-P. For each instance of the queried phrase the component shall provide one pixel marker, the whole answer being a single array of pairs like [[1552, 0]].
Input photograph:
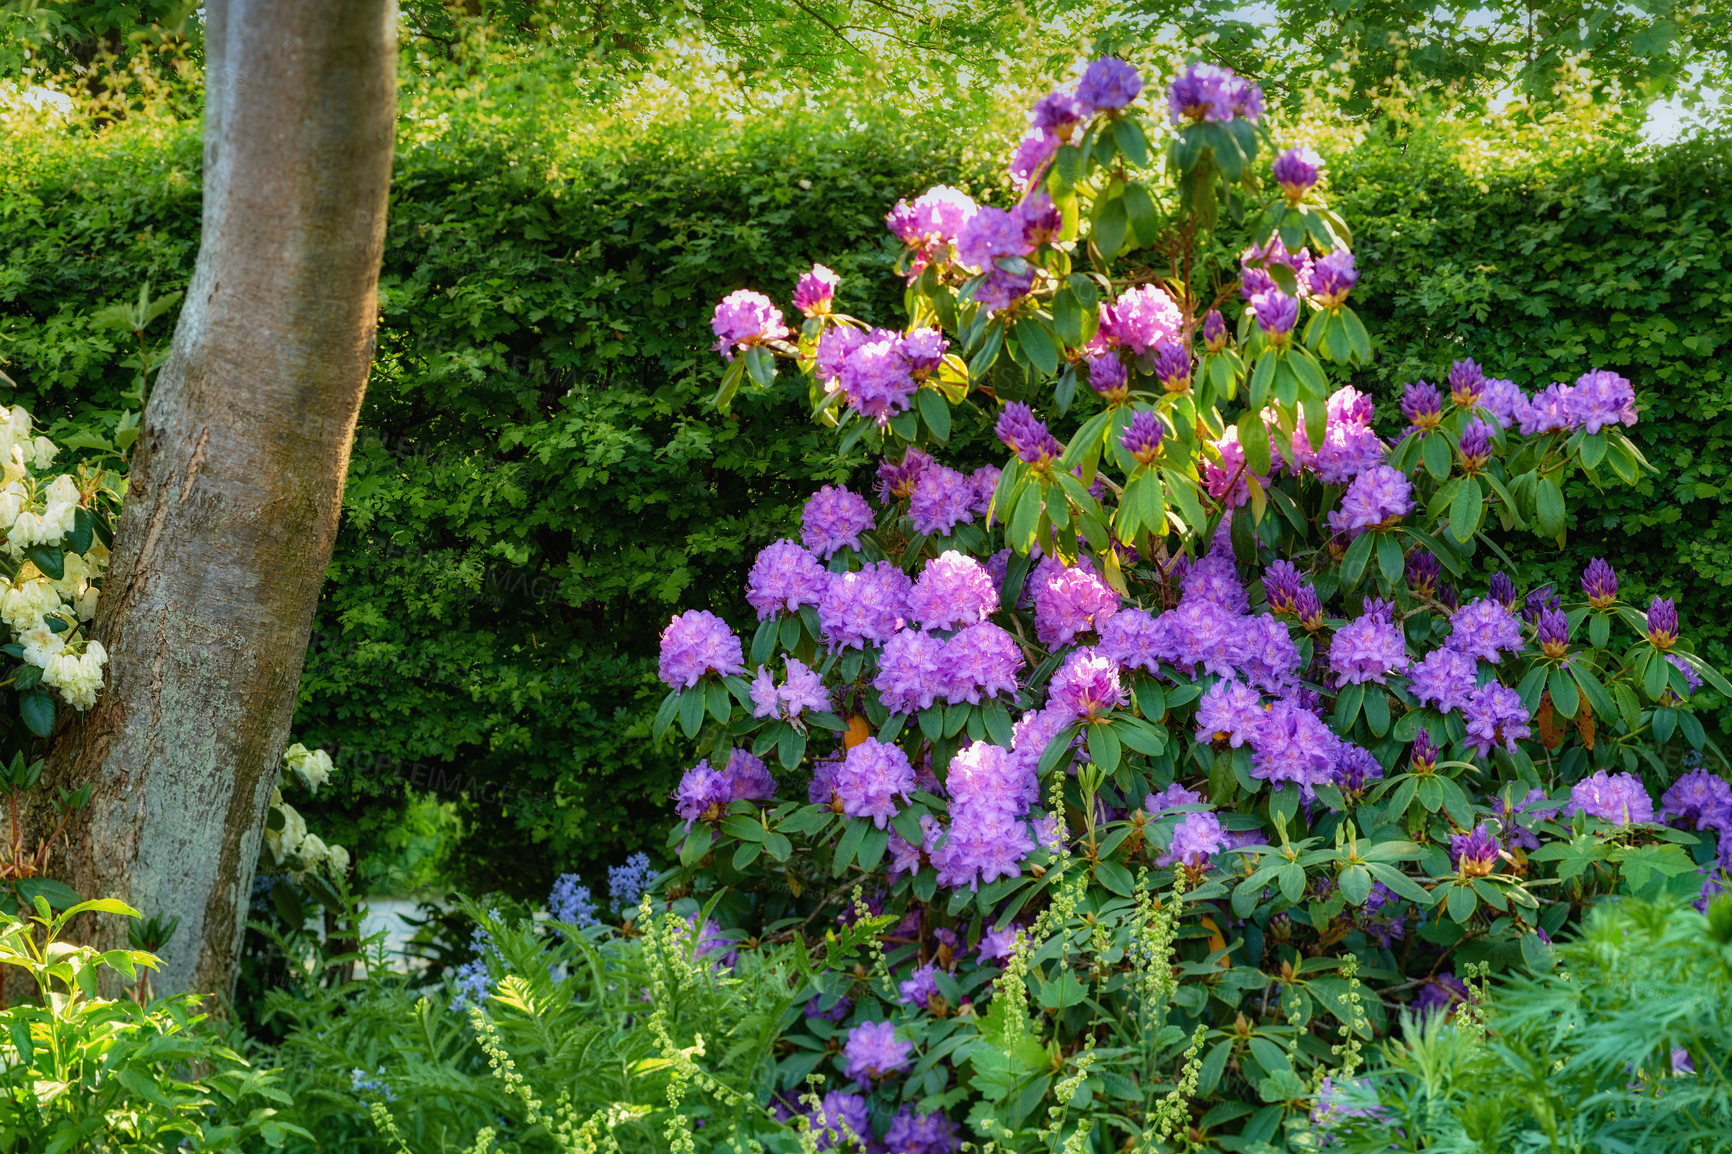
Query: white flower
[[78, 677], [23, 607], [337, 860], [41, 644], [314, 766], [42, 452]]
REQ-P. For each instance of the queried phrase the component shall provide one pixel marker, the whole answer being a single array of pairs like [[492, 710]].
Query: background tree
[[237, 480]]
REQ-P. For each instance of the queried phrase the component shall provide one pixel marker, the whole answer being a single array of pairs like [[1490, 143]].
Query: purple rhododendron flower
[[697, 642], [1087, 685], [1692, 680], [1208, 92], [920, 987], [1107, 375], [1292, 744], [1485, 629], [1619, 798], [1445, 677], [912, 1133], [1109, 84], [981, 661], [1503, 400], [1216, 578], [1296, 171], [1332, 278], [704, 793], [1367, 649], [1422, 404], [1662, 622], [937, 217], [896, 481], [1281, 586], [1142, 437], [1033, 151], [943, 499], [985, 481], [876, 377], [833, 349], [815, 290], [1503, 590], [923, 349], [990, 235], [954, 590], [1465, 381], [1473, 854], [783, 578], [841, 1121], [1495, 717], [833, 519], [1600, 583], [745, 318], [1423, 572], [1069, 601], [1357, 765], [1377, 497], [1140, 318], [1058, 111], [1475, 445], [1042, 220], [1196, 839], [872, 775], [997, 943], [990, 789], [1701, 799], [1546, 411], [1172, 366], [802, 689], [1598, 399], [1229, 712], [1171, 798], [911, 672], [1275, 312], [1441, 993], [1026, 435], [1214, 331], [864, 607], [1229, 481]]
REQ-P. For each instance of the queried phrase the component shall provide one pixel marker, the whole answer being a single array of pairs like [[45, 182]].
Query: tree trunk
[[237, 478]]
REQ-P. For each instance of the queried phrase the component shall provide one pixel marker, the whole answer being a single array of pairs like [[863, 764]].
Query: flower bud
[[1600, 583], [1662, 623]]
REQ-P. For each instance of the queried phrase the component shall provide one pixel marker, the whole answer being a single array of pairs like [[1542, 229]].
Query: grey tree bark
[[237, 477]]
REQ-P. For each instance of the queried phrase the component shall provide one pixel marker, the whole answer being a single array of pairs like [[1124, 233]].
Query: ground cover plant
[[1162, 769]]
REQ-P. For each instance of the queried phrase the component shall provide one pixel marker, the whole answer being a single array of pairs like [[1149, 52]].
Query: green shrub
[[539, 483], [81, 1072], [1624, 1045]]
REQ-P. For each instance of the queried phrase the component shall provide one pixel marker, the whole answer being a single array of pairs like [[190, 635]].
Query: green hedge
[[540, 483]]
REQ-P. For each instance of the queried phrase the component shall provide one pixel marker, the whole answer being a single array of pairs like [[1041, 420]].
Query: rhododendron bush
[[1172, 760]]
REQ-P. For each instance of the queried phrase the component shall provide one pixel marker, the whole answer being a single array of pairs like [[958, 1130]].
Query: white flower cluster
[[291, 845], [45, 613]]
